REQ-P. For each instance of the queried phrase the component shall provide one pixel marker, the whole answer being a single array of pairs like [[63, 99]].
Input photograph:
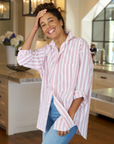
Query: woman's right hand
[[39, 15]]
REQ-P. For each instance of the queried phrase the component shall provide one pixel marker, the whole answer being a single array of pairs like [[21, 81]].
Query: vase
[[10, 55]]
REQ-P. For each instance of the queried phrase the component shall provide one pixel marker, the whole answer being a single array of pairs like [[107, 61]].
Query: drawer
[[104, 108], [3, 83], [103, 77], [2, 118], [2, 100]]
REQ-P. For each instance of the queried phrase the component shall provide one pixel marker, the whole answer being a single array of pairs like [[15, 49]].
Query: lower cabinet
[[19, 106], [2, 119], [3, 101], [102, 107], [102, 80]]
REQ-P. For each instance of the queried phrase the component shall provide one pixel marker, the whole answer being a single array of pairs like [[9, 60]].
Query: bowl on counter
[[17, 67]]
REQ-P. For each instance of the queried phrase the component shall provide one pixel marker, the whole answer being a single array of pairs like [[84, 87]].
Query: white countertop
[[106, 94]]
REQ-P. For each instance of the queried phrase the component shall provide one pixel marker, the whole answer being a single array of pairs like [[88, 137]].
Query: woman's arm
[[28, 42], [74, 107], [29, 58]]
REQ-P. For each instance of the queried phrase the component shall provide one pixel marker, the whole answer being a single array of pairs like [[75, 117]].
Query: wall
[[60, 3], [6, 25], [86, 6], [72, 16], [25, 24], [86, 22], [29, 22], [21, 20], [76, 10], [80, 14]]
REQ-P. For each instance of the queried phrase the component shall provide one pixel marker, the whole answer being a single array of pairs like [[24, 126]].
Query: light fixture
[[29, 6], [5, 10]]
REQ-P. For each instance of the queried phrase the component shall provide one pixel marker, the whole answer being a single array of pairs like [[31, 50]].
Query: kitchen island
[[102, 98], [102, 102], [19, 99]]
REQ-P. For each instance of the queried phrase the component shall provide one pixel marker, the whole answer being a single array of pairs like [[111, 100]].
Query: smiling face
[[51, 26]]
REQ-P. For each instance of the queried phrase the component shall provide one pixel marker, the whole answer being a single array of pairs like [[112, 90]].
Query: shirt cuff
[[19, 48], [61, 125], [79, 94]]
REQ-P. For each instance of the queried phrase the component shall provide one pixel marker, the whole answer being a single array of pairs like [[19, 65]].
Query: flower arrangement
[[12, 39]]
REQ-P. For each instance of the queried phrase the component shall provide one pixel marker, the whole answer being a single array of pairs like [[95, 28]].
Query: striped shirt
[[67, 75]]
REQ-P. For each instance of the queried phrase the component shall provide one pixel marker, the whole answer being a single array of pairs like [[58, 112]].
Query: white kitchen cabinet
[[102, 107], [19, 105], [98, 106], [103, 80], [3, 119], [3, 101]]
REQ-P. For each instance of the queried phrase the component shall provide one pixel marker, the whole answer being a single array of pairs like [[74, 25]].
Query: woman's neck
[[61, 38]]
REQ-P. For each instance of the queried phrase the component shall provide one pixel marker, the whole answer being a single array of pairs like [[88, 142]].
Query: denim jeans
[[51, 136]]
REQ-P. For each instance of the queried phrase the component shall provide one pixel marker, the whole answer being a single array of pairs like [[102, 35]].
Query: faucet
[[102, 59]]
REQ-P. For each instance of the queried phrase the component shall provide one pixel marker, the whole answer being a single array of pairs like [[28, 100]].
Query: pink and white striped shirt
[[67, 75]]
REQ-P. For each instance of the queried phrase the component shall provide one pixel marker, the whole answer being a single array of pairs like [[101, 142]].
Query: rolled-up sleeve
[[32, 59], [85, 73]]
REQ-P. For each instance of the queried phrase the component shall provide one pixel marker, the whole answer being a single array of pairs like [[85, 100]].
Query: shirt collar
[[69, 37]]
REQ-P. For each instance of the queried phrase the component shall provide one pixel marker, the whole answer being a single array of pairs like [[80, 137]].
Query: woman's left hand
[[63, 133]]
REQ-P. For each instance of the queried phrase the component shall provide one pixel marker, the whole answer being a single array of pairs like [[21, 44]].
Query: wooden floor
[[100, 131]]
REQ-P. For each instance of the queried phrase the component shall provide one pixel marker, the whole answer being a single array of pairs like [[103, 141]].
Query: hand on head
[[39, 15]]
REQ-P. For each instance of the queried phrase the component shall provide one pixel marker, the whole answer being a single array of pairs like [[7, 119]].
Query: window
[[103, 31]]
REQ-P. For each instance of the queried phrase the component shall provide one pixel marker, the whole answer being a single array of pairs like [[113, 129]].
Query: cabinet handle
[[104, 77], [0, 96], [0, 81], [0, 114]]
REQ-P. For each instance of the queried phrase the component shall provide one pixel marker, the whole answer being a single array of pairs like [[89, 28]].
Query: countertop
[[104, 68], [34, 76], [104, 94], [19, 77]]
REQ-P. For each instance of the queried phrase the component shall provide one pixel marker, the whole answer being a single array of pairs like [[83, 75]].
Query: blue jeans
[[51, 136]]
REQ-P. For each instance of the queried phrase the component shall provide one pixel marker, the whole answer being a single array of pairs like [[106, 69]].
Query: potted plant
[[12, 42]]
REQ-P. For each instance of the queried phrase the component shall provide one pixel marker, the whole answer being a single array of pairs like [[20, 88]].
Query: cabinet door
[[2, 83], [104, 108], [2, 118], [2, 100], [102, 80]]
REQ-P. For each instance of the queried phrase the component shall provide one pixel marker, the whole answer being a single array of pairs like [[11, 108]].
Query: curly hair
[[51, 8]]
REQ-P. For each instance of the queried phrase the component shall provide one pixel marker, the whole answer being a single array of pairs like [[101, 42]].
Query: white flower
[[113, 49], [12, 39], [2, 38], [14, 42], [19, 37], [8, 34]]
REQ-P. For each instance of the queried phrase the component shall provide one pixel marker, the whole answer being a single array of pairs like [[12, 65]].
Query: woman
[[93, 50], [66, 70]]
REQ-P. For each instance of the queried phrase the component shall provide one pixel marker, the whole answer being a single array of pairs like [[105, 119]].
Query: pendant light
[[5, 10], [29, 6]]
